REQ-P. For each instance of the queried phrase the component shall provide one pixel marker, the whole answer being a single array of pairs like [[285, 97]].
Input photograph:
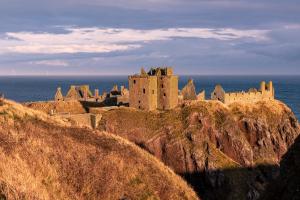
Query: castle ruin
[[188, 93], [266, 92], [157, 89], [82, 93]]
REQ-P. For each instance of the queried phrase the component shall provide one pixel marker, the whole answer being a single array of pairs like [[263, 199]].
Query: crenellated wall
[[266, 92]]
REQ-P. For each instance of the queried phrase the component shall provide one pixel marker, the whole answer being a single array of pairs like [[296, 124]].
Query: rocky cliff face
[[225, 152]]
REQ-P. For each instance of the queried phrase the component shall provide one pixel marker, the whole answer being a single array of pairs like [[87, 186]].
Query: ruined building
[[81, 92], [188, 93], [266, 92], [58, 95], [115, 97], [157, 89]]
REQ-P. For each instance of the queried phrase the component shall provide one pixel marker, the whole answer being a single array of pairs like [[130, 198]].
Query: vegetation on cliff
[[43, 158], [225, 152]]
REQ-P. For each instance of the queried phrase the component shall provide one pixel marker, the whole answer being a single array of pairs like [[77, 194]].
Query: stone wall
[[266, 92], [143, 92], [167, 92], [218, 94], [201, 96], [188, 92]]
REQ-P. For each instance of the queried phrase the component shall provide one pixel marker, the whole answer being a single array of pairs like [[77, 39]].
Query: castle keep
[[157, 89], [266, 92]]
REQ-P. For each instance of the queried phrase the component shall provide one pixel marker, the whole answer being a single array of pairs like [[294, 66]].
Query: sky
[[118, 37]]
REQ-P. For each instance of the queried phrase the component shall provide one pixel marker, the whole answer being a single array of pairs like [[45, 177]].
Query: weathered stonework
[[188, 92], [81, 92], [266, 92], [157, 89], [201, 96], [58, 95]]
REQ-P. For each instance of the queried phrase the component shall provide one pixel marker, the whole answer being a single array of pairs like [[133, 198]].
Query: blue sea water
[[27, 88]]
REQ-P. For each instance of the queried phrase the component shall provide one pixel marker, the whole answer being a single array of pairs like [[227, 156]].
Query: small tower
[[263, 87], [58, 95], [271, 89], [96, 94], [270, 86]]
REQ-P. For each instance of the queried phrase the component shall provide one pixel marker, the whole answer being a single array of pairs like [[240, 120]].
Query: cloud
[[104, 40], [61, 63]]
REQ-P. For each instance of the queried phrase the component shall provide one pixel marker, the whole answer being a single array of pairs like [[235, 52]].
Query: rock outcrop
[[225, 152], [44, 158]]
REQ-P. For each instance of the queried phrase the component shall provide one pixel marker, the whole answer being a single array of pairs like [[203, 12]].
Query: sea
[[43, 88]]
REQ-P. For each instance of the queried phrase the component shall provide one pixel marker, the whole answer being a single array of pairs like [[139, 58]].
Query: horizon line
[[93, 75]]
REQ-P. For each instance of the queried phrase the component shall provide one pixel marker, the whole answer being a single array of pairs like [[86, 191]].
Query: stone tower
[[267, 90], [263, 86], [157, 89]]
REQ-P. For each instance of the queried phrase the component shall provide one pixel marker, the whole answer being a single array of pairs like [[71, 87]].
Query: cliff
[[287, 185], [225, 152], [45, 158]]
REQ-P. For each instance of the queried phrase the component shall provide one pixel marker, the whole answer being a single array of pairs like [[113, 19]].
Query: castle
[[266, 92], [157, 89]]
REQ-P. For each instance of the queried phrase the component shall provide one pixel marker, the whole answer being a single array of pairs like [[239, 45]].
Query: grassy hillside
[[43, 158], [73, 107]]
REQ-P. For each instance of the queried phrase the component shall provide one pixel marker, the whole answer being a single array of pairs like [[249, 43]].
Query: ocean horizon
[[43, 88]]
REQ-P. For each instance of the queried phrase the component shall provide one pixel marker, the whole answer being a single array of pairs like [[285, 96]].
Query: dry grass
[[42, 158], [73, 107]]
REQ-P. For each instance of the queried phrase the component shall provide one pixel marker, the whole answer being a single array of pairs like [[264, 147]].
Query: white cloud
[[292, 26], [104, 40], [51, 63]]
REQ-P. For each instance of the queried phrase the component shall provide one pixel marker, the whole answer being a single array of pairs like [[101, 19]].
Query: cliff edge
[[225, 152]]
